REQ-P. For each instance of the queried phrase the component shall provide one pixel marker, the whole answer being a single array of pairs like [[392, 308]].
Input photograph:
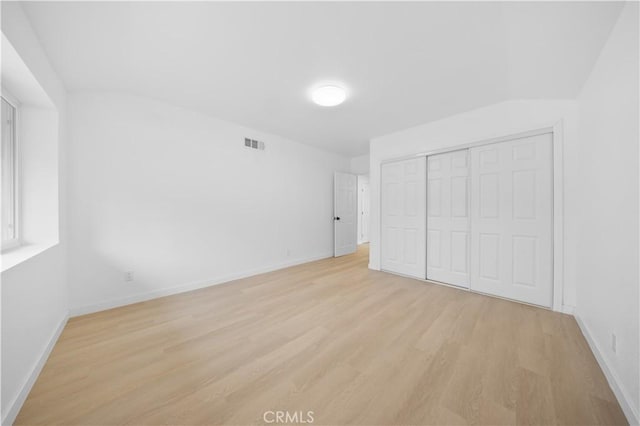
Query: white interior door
[[512, 219], [345, 210], [448, 218], [363, 209], [403, 217]]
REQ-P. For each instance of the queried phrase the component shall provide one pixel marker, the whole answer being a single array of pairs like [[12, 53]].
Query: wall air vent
[[254, 144]]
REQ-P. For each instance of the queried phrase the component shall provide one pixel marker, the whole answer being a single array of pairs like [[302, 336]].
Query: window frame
[[17, 240]]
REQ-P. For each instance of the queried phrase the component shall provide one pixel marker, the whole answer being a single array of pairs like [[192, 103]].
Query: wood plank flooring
[[351, 345]]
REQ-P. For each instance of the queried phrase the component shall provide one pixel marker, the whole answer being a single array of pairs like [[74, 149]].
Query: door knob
[[336, 218]]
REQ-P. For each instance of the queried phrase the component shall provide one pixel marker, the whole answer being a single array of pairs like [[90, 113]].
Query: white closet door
[[345, 220], [511, 219], [448, 218], [403, 217]]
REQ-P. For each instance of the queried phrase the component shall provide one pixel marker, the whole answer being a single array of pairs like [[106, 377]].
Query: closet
[[479, 218]]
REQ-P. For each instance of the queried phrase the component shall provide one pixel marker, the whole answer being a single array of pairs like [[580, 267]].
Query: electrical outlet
[[614, 343], [128, 276], [288, 252]]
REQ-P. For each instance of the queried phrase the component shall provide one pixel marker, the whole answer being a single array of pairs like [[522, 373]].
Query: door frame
[[359, 202], [556, 130]]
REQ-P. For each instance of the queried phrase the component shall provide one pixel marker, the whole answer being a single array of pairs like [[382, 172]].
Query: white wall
[[174, 196], [502, 119], [360, 165], [38, 144], [607, 299], [34, 292]]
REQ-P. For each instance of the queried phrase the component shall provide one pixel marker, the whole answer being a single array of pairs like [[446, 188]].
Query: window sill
[[17, 255]]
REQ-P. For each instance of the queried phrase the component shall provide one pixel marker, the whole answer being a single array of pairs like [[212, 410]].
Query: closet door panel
[[403, 217], [448, 218], [512, 219]]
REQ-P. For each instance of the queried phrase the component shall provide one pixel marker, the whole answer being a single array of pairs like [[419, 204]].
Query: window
[[8, 163]]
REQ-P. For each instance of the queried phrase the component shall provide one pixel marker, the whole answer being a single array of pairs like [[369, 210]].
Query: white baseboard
[[568, 309], [16, 404], [626, 402], [183, 288]]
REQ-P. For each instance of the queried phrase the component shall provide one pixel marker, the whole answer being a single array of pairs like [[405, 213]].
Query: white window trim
[[17, 241]]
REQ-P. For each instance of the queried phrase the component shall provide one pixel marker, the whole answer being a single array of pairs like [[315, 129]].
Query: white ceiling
[[253, 63]]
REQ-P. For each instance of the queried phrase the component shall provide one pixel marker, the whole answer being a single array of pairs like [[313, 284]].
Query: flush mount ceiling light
[[329, 95]]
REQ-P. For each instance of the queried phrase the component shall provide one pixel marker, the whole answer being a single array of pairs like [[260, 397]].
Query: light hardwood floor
[[352, 345]]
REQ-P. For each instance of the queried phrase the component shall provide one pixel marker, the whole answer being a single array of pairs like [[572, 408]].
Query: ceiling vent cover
[[254, 144]]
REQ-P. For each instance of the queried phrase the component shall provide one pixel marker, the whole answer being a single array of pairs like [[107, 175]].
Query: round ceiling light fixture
[[329, 95]]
